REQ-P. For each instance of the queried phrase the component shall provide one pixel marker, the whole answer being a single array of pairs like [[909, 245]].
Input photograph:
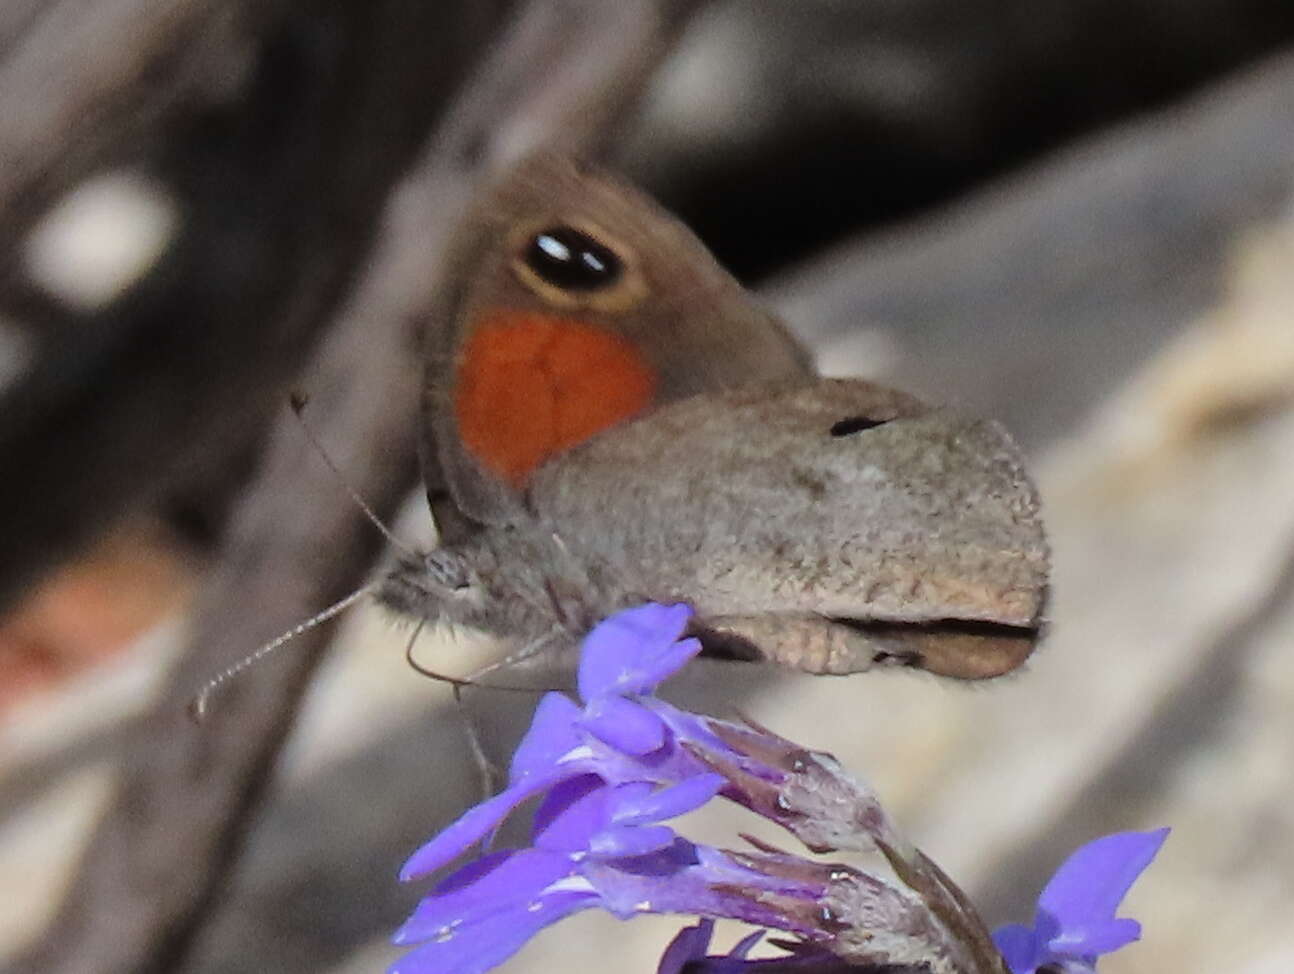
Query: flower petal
[[698, 880], [1096, 939], [687, 726], [553, 733], [571, 814], [587, 815], [689, 944], [665, 803], [475, 823], [634, 650], [1019, 946], [624, 841], [743, 946], [477, 948], [499, 881], [624, 725], [1091, 883]]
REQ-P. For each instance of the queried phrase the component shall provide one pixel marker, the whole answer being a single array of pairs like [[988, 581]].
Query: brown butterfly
[[616, 421]]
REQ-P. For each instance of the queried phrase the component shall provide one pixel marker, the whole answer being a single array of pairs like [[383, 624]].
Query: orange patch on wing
[[531, 385]]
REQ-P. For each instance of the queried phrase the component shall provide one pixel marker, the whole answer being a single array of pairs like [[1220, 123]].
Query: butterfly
[[610, 418]]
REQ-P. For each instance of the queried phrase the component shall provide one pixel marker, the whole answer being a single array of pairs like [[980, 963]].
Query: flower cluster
[[608, 774]]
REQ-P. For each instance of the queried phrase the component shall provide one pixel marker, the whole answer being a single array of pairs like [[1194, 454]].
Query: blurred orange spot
[[89, 611], [530, 386]]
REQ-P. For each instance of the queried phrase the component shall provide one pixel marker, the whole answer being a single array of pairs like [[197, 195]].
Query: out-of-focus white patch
[[708, 90], [868, 352], [100, 238], [16, 352], [40, 845], [361, 691]]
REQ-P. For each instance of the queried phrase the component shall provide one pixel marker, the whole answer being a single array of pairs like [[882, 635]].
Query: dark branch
[[180, 813]]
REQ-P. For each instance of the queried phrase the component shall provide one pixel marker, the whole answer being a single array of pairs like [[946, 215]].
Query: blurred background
[[1077, 217]]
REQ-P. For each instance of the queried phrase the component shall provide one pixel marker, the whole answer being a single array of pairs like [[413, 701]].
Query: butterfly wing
[[576, 303], [852, 518]]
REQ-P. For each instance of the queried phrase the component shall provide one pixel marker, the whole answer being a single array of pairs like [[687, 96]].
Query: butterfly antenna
[[298, 402], [198, 706]]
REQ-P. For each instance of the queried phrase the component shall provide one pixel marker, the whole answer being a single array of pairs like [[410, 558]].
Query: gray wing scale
[[836, 499]]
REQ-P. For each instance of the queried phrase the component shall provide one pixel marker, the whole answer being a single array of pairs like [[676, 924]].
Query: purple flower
[[1075, 922], [618, 735], [607, 775], [594, 846], [687, 951], [610, 773], [689, 946]]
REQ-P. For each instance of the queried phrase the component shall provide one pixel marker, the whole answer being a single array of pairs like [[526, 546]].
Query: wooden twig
[[186, 790], [281, 191]]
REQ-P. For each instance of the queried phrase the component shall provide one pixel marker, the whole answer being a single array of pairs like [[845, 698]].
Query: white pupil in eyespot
[[553, 247], [560, 252]]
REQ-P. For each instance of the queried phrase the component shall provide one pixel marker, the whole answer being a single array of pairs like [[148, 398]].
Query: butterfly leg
[[489, 775]]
